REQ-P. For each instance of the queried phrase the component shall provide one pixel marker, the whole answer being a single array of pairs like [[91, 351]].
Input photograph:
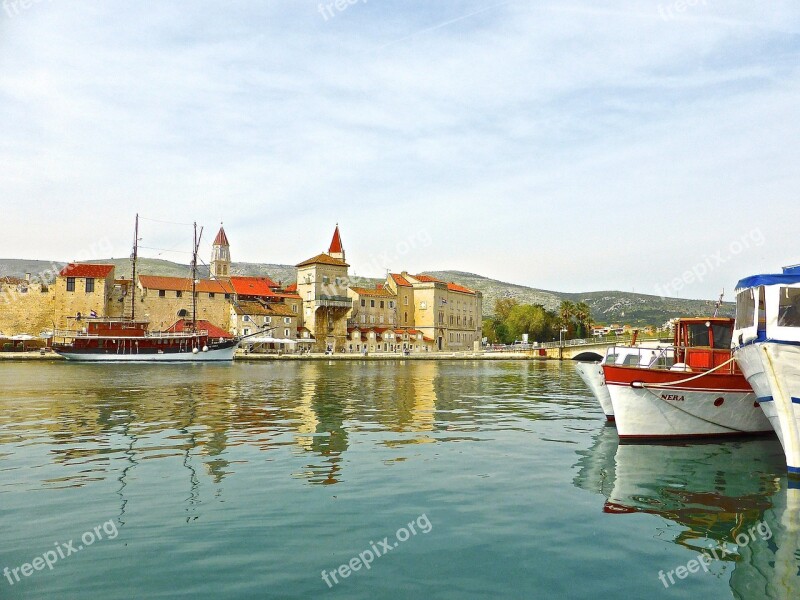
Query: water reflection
[[709, 493], [95, 420]]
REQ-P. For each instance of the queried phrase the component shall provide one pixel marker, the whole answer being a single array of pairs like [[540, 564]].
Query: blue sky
[[573, 146]]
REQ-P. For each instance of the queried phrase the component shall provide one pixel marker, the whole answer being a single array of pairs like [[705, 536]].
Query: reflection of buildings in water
[[423, 402], [715, 491], [770, 568], [597, 465], [323, 407]]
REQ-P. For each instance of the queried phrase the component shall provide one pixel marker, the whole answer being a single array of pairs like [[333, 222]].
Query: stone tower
[[336, 250], [221, 256]]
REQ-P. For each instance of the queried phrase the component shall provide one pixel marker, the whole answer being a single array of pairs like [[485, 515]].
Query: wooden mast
[[194, 275], [134, 257]]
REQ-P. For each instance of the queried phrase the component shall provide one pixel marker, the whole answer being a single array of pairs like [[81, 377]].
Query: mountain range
[[607, 306]]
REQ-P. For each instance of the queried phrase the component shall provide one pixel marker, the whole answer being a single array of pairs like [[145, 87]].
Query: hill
[[607, 306]]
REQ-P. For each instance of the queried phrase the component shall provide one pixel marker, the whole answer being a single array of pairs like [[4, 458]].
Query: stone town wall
[[29, 311]]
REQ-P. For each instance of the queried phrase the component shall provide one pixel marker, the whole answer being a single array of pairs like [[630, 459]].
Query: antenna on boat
[[134, 257], [194, 274], [719, 302]]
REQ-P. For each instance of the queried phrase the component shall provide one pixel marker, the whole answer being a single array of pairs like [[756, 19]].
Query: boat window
[[745, 309], [762, 310], [631, 360], [722, 336], [697, 335], [789, 307]]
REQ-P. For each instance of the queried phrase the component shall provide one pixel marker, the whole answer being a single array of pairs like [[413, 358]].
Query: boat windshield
[[697, 335], [789, 307], [722, 336]]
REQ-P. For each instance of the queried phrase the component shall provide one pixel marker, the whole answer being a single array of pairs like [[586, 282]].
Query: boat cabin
[[115, 327], [768, 308], [704, 343]]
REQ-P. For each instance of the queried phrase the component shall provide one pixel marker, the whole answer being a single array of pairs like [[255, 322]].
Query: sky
[[573, 146]]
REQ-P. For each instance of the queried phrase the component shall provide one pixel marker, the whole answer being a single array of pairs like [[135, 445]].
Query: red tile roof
[[253, 286], [400, 280], [454, 287], [86, 270], [221, 239], [427, 279], [291, 288], [186, 325], [336, 242], [156, 282], [323, 259], [379, 293]]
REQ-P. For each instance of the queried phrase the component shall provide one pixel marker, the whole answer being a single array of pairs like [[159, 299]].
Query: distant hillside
[[607, 307]]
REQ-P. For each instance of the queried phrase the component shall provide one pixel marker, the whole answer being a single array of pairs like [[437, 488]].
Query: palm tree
[[566, 312], [583, 314]]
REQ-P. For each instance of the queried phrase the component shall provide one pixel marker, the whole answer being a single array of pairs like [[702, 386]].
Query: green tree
[[503, 306], [583, 315], [565, 314], [531, 319]]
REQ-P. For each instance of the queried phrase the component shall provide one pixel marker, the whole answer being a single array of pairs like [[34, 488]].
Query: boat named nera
[[702, 394], [766, 344]]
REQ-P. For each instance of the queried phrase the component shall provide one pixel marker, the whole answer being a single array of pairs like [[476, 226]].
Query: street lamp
[[561, 333]]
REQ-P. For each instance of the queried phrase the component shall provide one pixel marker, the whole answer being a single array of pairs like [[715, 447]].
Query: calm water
[[249, 480]]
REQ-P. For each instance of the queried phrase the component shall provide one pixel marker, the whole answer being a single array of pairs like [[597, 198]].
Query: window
[[308, 295], [70, 284], [372, 318], [363, 318], [227, 296], [267, 320], [405, 300], [381, 303], [391, 303], [405, 317], [287, 320], [162, 293], [372, 303], [325, 280], [789, 307], [89, 285], [363, 302], [423, 305], [380, 319], [178, 294], [286, 333], [210, 295], [246, 318], [294, 308], [745, 309], [246, 331]]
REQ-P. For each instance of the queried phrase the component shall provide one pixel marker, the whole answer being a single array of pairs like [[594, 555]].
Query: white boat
[[766, 345], [591, 372], [702, 394]]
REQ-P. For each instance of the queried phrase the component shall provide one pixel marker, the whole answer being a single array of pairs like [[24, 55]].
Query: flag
[[93, 315]]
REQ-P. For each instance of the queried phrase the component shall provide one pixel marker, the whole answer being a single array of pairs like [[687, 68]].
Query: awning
[[23, 337]]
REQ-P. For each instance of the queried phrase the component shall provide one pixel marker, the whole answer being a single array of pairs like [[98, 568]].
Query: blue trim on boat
[[795, 400], [766, 399], [794, 470], [794, 484], [767, 341]]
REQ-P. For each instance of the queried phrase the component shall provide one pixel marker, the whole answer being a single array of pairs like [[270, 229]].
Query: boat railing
[[72, 333], [642, 357]]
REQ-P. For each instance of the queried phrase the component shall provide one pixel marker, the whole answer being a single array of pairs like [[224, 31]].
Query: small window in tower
[[179, 294], [162, 293], [70, 284], [89, 285]]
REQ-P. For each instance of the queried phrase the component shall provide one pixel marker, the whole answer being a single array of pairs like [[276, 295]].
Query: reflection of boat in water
[[714, 490], [591, 372], [702, 394], [770, 568], [596, 465]]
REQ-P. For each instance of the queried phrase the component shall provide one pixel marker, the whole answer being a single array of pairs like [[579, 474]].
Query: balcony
[[333, 302]]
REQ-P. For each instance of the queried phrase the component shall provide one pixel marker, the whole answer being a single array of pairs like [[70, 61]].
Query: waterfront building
[[322, 283]]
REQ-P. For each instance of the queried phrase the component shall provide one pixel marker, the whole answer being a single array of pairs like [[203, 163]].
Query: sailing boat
[[129, 339]]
